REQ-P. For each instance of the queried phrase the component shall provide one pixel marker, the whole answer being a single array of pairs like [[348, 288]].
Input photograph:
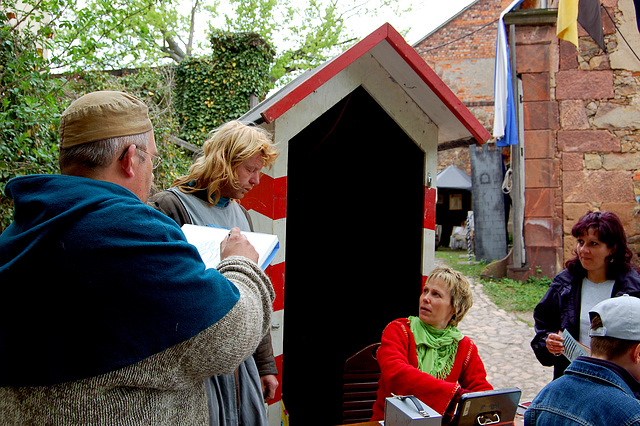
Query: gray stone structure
[[488, 203]]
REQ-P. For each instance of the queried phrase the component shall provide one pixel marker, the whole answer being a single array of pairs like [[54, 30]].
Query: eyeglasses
[[156, 158]]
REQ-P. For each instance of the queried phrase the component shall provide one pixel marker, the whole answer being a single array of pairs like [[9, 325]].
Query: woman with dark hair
[[601, 269]]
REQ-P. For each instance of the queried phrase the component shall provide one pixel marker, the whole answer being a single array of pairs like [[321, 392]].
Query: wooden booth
[[352, 199]]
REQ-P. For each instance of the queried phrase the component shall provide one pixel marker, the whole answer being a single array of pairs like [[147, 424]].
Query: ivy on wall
[[212, 90]]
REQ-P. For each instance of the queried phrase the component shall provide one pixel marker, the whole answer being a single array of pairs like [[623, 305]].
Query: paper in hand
[[572, 348], [207, 240]]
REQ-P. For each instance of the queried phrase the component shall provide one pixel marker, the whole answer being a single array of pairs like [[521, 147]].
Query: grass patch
[[459, 260], [507, 294], [512, 295]]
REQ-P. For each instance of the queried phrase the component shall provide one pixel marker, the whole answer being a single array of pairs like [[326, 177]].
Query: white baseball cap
[[620, 318]]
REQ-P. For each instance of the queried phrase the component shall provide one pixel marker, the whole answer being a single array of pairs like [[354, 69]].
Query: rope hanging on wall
[[507, 182]]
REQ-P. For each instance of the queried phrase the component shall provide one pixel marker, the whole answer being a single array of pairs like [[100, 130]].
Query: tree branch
[[192, 27], [173, 50]]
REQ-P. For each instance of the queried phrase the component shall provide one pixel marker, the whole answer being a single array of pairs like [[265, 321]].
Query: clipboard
[[493, 407]]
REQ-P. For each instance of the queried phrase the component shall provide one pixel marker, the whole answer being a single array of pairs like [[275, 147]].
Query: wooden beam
[[531, 17], [186, 145], [445, 146]]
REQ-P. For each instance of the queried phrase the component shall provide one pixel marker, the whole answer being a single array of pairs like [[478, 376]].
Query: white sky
[[425, 16]]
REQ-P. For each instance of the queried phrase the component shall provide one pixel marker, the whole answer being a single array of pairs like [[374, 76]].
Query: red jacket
[[400, 374]]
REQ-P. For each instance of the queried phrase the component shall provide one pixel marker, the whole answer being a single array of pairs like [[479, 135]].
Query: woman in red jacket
[[426, 356]]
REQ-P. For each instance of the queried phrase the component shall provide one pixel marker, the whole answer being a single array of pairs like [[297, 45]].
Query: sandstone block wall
[[581, 123]]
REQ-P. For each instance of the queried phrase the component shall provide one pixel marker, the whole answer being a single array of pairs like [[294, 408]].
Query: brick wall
[[462, 53], [581, 119], [598, 135], [464, 37], [536, 58]]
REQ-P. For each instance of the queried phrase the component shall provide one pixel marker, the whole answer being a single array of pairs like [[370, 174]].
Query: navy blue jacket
[[559, 309], [92, 280]]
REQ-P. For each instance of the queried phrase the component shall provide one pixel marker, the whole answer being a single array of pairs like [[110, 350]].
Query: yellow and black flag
[[567, 24], [590, 17], [585, 12]]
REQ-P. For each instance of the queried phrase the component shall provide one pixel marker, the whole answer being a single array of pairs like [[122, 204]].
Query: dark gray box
[[402, 411]]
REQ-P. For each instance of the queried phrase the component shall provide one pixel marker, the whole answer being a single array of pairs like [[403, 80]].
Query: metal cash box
[[409, 411]]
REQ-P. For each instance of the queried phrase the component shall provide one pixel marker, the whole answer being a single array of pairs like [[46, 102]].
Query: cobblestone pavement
[[503, 341]]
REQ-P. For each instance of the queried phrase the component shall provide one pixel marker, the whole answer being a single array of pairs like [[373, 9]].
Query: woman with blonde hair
[[427, 356], [230, 166]]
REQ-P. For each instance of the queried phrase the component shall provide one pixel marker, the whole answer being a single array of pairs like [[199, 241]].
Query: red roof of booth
[[405, 65]]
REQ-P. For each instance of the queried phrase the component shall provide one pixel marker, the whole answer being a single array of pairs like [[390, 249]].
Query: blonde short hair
[[460, 289]]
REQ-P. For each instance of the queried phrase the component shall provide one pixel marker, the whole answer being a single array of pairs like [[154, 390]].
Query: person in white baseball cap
[[619, 319], [601, 389]]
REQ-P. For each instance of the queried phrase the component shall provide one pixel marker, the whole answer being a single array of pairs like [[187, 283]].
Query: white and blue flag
[[505, 125]]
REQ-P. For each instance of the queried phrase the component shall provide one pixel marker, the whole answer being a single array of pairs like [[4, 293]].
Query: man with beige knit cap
[[107, 314]]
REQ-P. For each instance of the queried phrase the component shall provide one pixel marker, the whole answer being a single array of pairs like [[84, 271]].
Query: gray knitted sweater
[[164, 389]]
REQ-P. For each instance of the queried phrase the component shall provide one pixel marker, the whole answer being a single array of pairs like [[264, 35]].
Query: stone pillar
[[537, 62]]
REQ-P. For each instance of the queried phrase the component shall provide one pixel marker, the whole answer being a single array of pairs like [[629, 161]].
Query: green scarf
[[436, 349]]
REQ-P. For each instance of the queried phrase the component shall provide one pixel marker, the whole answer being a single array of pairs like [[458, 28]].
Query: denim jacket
[[587, 394]]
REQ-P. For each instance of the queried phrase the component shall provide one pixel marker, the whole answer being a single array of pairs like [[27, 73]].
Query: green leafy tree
[[29, 100], [303, 36], [38, 37], [114, 34]]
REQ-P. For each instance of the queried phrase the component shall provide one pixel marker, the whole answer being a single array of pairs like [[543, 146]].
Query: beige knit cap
[[101, 115]]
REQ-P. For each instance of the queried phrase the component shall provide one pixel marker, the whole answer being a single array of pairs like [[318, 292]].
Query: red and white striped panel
[[267, 205]]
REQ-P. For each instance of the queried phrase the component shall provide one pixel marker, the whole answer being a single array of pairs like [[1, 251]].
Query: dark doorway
[[450, 213], [355, 201]]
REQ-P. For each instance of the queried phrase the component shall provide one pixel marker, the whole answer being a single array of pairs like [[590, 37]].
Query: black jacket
[[559, 309]]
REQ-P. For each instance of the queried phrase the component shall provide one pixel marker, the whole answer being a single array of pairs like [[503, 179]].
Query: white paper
[[572, 349], [207, 240]]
